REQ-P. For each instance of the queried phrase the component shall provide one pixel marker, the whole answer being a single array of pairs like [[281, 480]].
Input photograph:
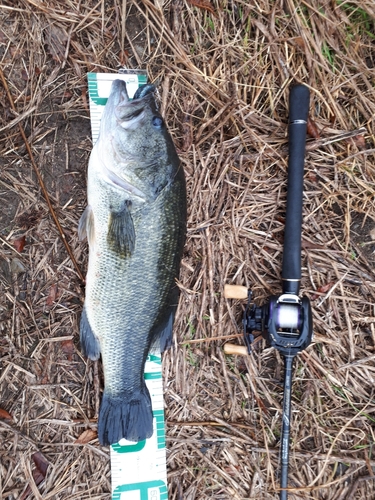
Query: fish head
[[142, 151]]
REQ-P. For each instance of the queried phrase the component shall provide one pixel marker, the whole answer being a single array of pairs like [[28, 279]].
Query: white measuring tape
[[138, 470]]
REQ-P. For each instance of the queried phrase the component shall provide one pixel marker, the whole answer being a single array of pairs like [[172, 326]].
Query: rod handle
[[298, 114], [235, 292], [239, 350]]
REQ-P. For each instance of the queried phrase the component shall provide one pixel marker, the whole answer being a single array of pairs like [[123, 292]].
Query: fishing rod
[[285, 320]]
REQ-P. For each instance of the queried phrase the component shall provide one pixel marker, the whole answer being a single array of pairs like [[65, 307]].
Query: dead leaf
[[261, 404], [231, 470], [26, 493], [86, 436], [56, 41], [39, 473], [312, 177], [52, 295], [19, 243], [40, 462], [323, 289], [5, 415], [312, 128], [357, 140], [68, 348], [300, 42], [203, 4], [306, 244], [84, 98]]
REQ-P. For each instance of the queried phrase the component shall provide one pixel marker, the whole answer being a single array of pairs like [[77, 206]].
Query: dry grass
[[224, 74]]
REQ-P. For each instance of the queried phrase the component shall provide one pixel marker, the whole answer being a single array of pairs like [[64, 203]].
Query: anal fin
[[162, 332], [89, 342], [165, 335]]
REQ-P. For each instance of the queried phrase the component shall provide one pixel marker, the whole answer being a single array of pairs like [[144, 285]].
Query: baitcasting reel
[[285, 322]]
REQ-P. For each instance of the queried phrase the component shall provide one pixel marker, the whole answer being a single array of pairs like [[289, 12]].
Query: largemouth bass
[[135, 225]]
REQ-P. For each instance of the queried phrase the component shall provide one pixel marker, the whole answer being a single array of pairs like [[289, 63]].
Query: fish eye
[[157, 122]]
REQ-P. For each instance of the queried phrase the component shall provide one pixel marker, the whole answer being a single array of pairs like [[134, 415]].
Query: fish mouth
[[119, 93], [129, 112]]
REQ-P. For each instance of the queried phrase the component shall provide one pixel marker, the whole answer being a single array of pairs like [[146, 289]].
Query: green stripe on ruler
[[147, 490]]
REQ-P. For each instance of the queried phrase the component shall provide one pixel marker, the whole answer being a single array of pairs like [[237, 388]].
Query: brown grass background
[[223, 69]]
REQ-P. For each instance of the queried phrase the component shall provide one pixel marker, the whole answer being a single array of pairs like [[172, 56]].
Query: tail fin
[[128, 418]]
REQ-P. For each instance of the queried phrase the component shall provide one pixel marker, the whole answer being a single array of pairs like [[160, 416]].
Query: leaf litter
[[223, 83]]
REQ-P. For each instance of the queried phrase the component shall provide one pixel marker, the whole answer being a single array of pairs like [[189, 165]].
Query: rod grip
[[298, 113]]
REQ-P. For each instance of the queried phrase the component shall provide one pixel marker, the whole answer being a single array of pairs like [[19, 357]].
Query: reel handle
[[298, 113], [235, 292], [237, 350]]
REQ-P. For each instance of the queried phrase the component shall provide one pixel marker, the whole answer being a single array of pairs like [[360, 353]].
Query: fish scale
[[116, 337]]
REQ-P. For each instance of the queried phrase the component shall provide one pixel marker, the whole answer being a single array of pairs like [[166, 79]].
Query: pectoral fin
[[86, 227], [121, 233]]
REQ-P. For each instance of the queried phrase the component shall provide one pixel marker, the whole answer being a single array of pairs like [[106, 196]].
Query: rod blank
[[285, 432]]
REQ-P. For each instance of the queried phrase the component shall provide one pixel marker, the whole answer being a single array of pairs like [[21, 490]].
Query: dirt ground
[[223, 69]]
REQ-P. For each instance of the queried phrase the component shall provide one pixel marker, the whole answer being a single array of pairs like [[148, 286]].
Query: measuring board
[[138, 470]]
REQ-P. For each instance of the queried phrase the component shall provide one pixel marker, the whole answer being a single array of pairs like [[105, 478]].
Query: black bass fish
[[135, 225]]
